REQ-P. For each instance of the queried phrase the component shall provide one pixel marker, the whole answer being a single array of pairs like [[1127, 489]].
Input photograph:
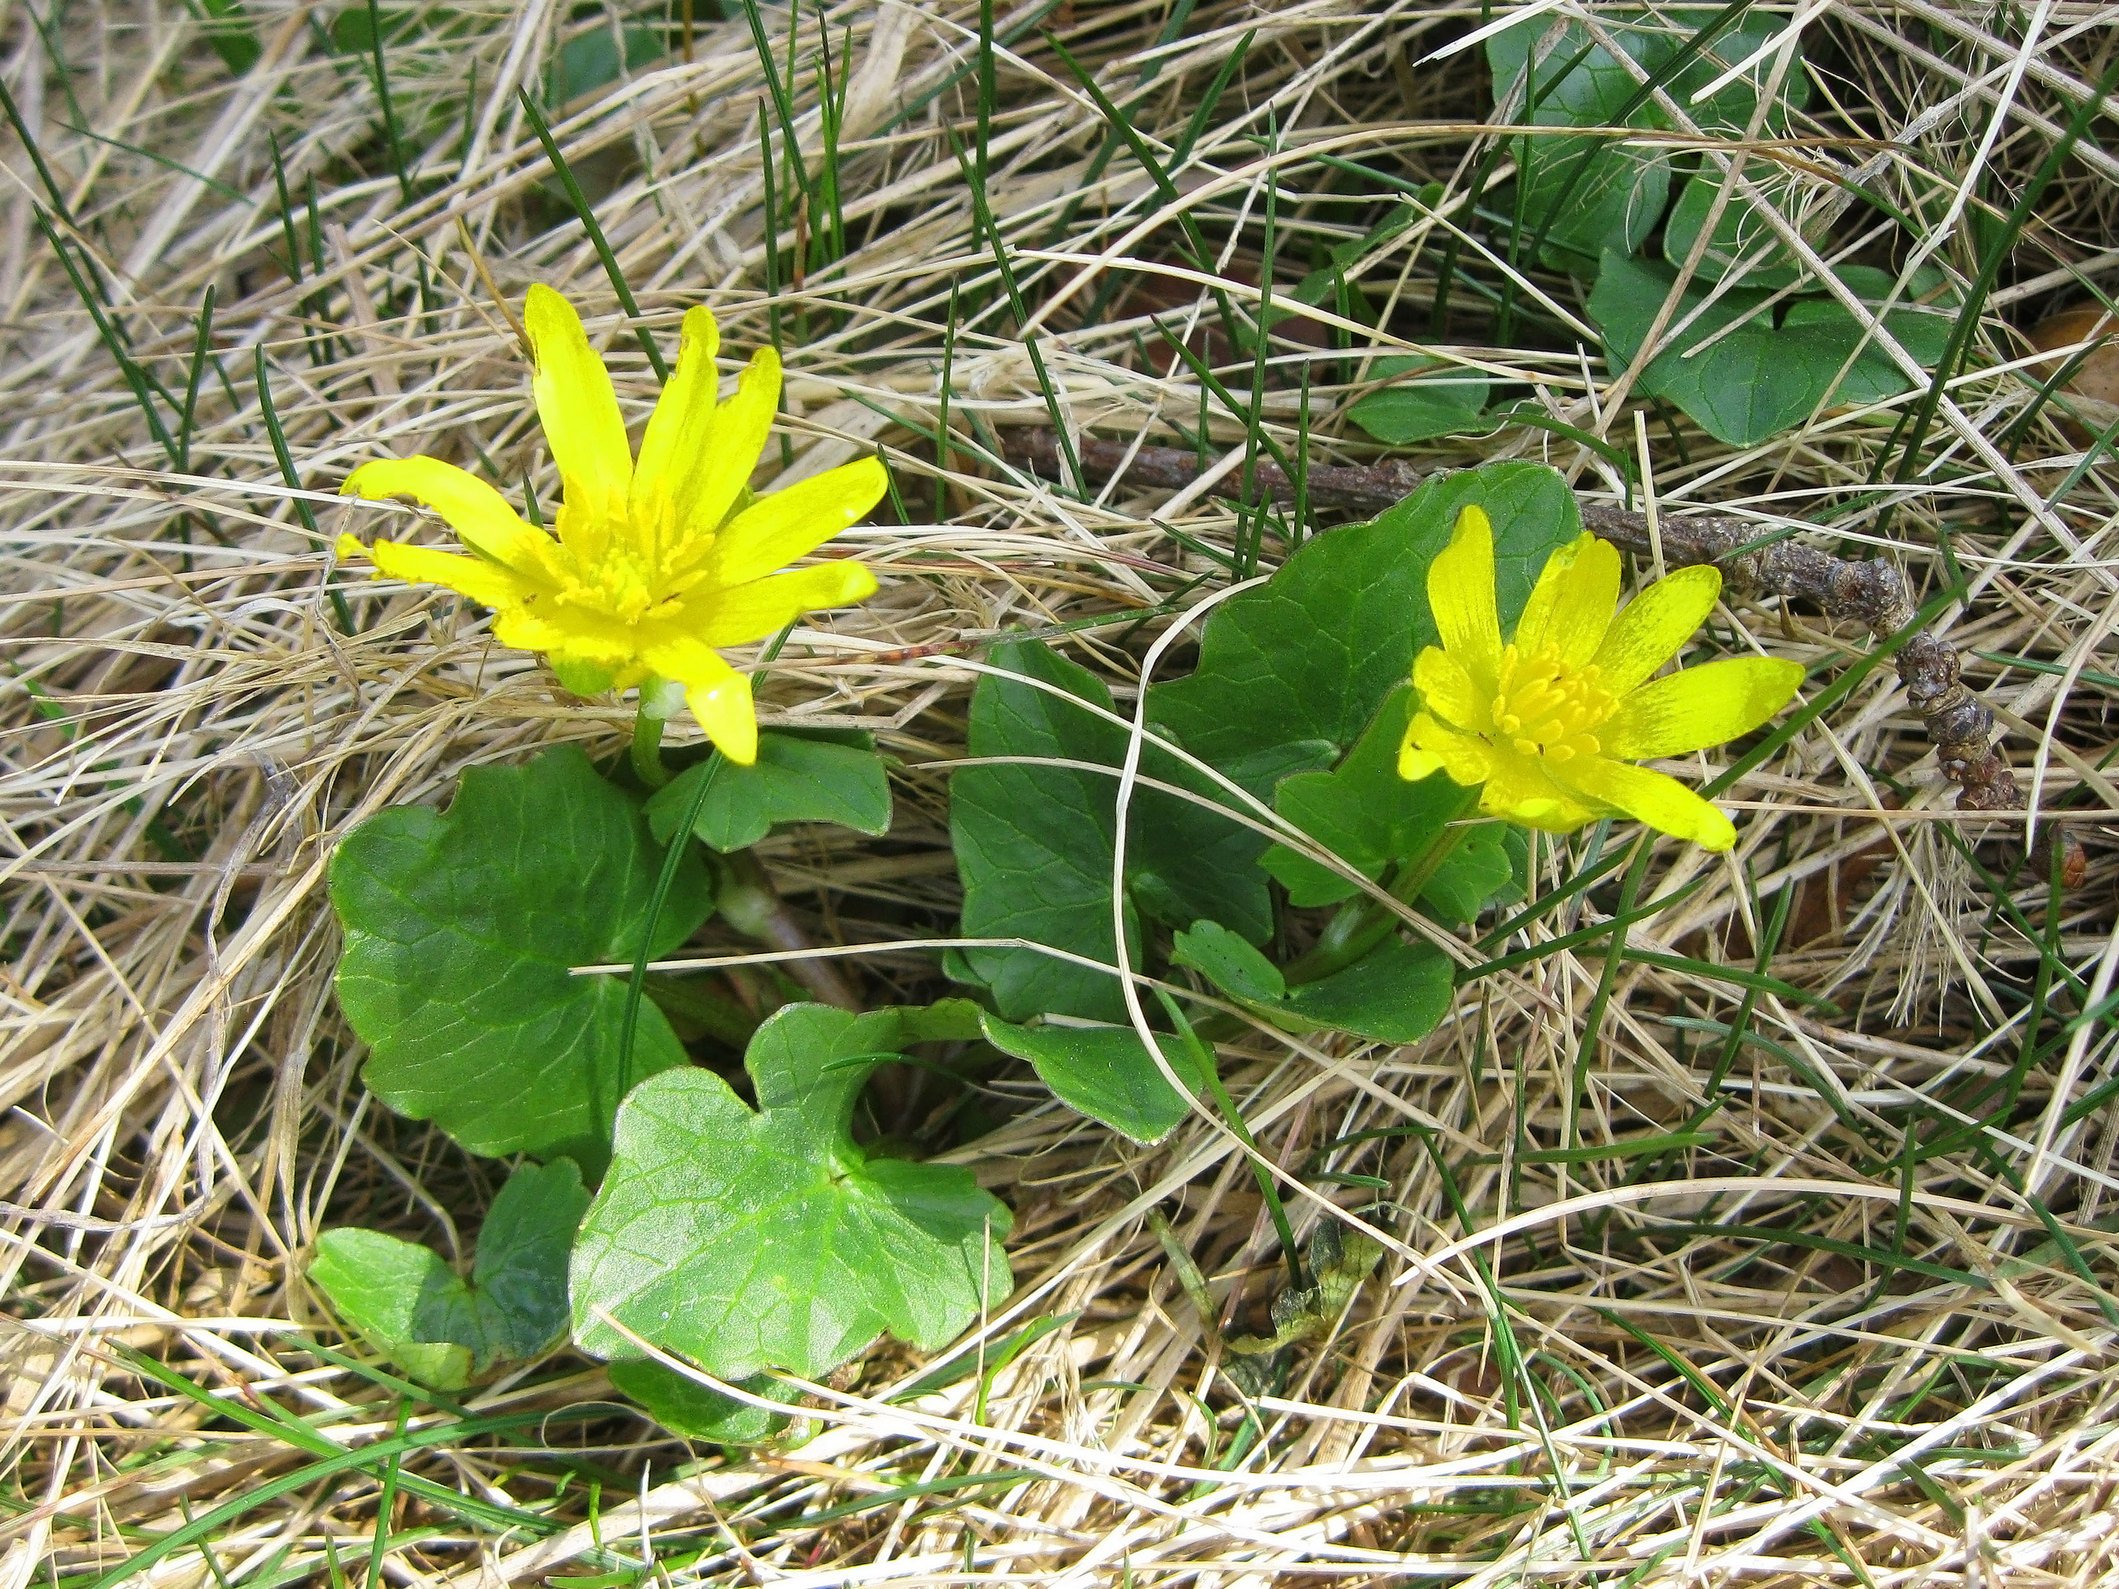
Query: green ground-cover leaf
[[1396, 993], [409, 1305], [1480, 870], [1104, 1072], [1289, 674], [1585, 194], [1393, 994], [1361, 811], [1235, 967], [1588, 194], [1370, 817], [228, 27], [1740, 375], [1035, 844], [748, 1239], [1440, 399], [699, 1412], [598, 57], [798, 777], [1741, 236], [1310, 656], [461, 931]]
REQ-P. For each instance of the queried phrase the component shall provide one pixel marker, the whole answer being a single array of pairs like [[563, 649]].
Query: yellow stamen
[[1546, 707]]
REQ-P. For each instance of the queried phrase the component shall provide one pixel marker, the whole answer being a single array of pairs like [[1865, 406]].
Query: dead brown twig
[[1869, 591]]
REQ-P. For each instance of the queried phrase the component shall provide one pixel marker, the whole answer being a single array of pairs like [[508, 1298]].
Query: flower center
[[1548, 709], [617, 582]]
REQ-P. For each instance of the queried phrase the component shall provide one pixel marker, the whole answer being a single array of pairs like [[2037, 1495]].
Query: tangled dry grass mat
[[1800, 1277]]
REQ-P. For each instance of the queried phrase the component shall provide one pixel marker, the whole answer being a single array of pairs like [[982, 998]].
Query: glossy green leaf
[[1588, 194], [1585, 194], [1104, 1072], [1229, 963], [353, 30], [1310, 656], [1035, 843], [401, 1298], [1369, 817], [1481, 868], [1362, 811], [1396, 993], [1740, 375], [409, 1305], [1440, 399], [798, 777], [1393, 994], [461, 931], [699, 1412], [228, 27], [750, 1239], [599, 57], [1741, 236]]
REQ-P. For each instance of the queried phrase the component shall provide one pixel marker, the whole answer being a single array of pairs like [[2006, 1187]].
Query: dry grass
[[1861, 1331]]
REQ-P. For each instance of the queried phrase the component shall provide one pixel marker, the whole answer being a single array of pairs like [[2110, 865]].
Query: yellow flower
[[657, 561], [1549, 723]]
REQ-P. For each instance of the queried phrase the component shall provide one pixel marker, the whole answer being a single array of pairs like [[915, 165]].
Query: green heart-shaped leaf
[[1035, 843], [1586, 195], [1735, 372], [1396, 993], [1393, 994], [1441, 400], [1368, 816], [462, 929], [1229, 963], [1104, 1072], [796, 778], [699, 1412], [409, 1305], [1480, 869], [752, 1239]]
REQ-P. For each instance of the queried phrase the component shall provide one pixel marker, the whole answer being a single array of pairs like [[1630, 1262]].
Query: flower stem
[[647, 749], [1363, 923], [746, 899]]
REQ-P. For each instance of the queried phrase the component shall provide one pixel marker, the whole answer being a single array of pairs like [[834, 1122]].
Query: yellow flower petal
[[719, 696], [578, 409], [480, 515], [1430, 747], [784, 525], [1447, 690], [570, 633], [1707, 705], [1460, 590], [484, 582], [1522, 790], [1416, 765], [729, 451], [743, 613], [725, 711], [677, 431], [1655, 625], [1572, 605], [1651, 797]]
